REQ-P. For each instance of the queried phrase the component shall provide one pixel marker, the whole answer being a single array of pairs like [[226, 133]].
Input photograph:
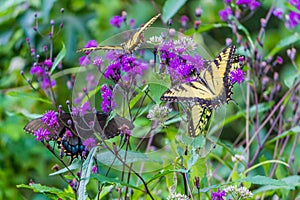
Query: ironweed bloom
[[218, 195]]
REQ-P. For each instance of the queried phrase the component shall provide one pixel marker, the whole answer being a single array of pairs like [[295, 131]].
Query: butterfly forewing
[[136, 40]]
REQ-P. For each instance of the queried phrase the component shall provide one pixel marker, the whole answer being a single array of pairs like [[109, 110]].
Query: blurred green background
[[21, 157]]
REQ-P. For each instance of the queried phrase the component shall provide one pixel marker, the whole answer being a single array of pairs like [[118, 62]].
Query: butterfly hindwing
[[198, 118]]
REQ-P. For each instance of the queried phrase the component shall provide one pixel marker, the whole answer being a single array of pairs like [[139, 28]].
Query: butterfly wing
[[105, 48], [135, 41], [213, 86], [198, 118], [99, 123]]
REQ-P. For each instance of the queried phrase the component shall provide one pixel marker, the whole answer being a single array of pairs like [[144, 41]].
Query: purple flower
[[224, 14], [252, 4], [183, 20], [47, 83], [113, 72], [41, 134], [86, 106], [50, 119], [131, 23], [294, 2], [116, 21], [107, 99], [91, 43], [237, 76], [68, 133], [278, 12], [84, 60], [48, 63], [94, 169], [279, 60], [293, 19], [218, 195], [91, 80], [89, 143], [98, 61], [37, 70]]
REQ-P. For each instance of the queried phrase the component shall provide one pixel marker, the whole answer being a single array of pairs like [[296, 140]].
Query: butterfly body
[[130, 45]]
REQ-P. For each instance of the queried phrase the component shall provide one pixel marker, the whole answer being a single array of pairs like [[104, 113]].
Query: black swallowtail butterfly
[[81, 128]]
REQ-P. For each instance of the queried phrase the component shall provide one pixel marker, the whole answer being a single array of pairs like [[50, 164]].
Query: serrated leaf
[[171, 7], [59, 57]]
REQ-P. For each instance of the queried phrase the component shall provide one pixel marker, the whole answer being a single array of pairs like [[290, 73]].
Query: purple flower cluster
[[127, 64], [180, 66], [218, 195], [43, 77], [41, 134], [248, 4], [84, 60], [89, 143], [251, 4], [224, 14], [50, 119], [108, 103], [292, 19], [237, 76], [116, 21]]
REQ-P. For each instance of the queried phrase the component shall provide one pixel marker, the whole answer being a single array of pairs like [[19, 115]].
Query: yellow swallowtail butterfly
[[212, 87], [130, 45]]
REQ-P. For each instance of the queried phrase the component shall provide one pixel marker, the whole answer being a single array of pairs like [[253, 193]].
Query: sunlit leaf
[[171, 7]]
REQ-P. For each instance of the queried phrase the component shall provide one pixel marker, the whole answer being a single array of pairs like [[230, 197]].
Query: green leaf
[[107, 158], [46, 7], [138, 97], [292, 131], [284, 43], [85, 174], [171, 7], [272, 188], [29, 96], [59, 58], [264, 180], [114, 181], [157, 90], [66, 194], [198, 168]]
